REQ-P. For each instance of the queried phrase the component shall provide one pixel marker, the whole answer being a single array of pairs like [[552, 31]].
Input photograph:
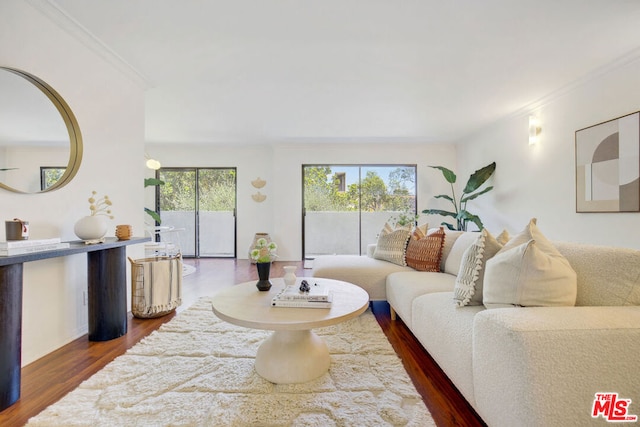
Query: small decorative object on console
[[123, 232], [92, 228], [21, 247], [17, 229]]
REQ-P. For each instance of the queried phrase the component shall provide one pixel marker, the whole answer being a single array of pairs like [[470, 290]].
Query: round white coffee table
[[293, 353]]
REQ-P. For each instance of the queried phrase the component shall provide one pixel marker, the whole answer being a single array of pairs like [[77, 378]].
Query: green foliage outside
[[322, 191], [216, 190], [51, 176]]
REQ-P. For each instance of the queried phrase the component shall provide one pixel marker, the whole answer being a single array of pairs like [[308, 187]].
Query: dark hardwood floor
[[48, 379]]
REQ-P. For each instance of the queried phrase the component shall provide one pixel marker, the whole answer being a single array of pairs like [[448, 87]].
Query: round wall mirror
[[40, 140]]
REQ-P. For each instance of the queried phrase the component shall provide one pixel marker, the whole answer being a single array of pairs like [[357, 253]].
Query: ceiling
[[265, 71]]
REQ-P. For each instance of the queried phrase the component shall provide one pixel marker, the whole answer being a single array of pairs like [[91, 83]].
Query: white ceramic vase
[[289, 275], [91, 227]]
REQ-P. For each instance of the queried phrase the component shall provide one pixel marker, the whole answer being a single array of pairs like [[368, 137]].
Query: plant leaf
[[474, 195], [448, 174], [479, 177], [449, 226], [466, 216], [444, 196], [155, 215], [439, 212], [152, 181]]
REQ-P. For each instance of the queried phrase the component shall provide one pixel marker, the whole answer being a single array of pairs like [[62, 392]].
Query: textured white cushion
[[446, 333], [529, 271], [606, 275], [368, 273], [541, 366], [454, 257], [468, 289], [392, 244], [404, 287]]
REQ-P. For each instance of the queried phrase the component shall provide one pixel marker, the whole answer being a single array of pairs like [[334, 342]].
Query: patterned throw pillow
[[468, 289], [425, 252], [392, 244]]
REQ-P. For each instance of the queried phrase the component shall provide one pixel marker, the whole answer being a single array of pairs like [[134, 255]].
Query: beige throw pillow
[[530, 272], [503, 237], [392, 244], [420, 231], [470, 278]]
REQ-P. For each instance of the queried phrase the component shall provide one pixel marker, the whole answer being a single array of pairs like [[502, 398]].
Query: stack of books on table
[[21, 247], [292, 296]]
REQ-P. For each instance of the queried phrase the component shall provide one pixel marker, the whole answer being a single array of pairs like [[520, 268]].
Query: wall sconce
[[534, 129], [152, 163]]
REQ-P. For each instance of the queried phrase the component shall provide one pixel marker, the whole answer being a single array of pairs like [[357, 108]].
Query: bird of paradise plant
[[460, 213]]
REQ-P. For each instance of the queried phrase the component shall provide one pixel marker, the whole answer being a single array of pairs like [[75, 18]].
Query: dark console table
[[107, 300]]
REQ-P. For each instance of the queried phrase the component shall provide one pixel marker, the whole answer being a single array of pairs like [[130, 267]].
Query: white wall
[[539, 181], [281, 166], [109, 108], [30, 159]]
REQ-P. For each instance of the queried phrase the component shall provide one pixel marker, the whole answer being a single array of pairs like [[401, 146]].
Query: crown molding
[[620, 62], [526, 110], [62, 19]]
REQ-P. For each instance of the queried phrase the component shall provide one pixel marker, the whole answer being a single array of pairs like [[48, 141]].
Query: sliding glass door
[[200, 203], [345, 206]]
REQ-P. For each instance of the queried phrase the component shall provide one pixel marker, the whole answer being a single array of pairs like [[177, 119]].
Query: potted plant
[[470, 192], [263, 253], [404, 219], [148, 182]]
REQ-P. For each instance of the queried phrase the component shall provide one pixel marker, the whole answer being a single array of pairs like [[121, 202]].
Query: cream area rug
[[197, 370]]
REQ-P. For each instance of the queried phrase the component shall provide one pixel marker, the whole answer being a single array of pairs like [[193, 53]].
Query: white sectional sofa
[[520, 366]]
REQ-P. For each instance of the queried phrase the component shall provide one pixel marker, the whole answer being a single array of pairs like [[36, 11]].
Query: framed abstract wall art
[[608, 166]]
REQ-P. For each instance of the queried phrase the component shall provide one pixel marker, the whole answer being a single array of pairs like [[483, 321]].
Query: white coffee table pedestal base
[[289, 357], [293, 353]]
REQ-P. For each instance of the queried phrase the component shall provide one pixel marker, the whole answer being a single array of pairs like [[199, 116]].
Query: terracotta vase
[[263, 274]]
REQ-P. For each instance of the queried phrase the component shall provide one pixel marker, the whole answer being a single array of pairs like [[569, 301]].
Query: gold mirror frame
[[75, 138]]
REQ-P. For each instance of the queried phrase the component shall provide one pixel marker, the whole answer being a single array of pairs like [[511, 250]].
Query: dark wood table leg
[[107, 286], [10, 333]]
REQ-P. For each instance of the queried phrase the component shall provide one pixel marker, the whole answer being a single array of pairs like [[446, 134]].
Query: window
[[49, 175], [201, 204], [345, 206]]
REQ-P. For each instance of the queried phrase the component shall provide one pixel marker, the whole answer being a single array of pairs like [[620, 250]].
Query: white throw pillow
[[454, 257], [530, 272], [470, 278]]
